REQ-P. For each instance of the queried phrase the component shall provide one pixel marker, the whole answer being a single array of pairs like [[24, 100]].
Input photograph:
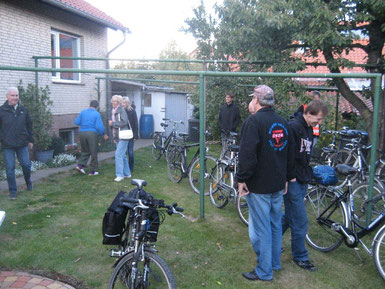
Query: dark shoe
[[29, 186], [13, 195], [306, 265], [80, 169], [252, 276]]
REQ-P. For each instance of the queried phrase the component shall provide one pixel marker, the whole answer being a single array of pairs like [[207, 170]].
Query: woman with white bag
[[121, 135]]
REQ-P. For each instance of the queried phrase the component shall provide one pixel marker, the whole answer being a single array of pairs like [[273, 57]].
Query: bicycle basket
[[153, 223], [325, 175]]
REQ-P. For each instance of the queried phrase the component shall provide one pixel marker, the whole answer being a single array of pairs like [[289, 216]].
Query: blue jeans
[[130, 152], [121, 161], [9, 159], [265, 231], [295, 217]]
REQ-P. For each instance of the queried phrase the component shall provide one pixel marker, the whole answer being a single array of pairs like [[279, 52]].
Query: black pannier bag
[[114, 221], [153, 223]]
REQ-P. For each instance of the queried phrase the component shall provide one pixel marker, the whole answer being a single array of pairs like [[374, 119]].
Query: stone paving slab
[[23, 280]]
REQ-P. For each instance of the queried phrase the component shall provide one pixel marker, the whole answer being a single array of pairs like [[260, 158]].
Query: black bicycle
[[337, 216], [161, 141], [139, 266]]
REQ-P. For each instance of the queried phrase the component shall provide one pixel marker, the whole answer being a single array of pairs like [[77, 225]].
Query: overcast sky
[[153, 24]]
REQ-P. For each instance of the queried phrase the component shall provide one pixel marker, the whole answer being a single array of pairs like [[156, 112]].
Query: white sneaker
[[128, 176], [119, 179]]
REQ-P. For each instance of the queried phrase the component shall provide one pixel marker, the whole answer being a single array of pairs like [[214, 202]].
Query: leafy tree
[[273, 30]]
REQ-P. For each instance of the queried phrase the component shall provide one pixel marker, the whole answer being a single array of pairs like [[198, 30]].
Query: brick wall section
[[25, 27]]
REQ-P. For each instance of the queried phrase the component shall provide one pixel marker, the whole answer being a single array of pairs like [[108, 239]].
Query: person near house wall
[[133, 122], [16, 137], [295, 216], [119, 119], [91, 125], [266, 163]]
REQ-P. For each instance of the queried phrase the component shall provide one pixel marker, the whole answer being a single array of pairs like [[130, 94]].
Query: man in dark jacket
[[295, 215], [228, 119], [15, 137], [266, 163]]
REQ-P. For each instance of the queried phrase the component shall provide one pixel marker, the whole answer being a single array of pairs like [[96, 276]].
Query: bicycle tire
[[242, 209], [219, 196], [175, 160], [344, 156], [360, 197], [194, 174], [379, 252], [159, 274], [380, 171], [321, 236], [157, 147]]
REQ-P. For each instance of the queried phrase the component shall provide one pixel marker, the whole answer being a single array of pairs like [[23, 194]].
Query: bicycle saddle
[[183, 134], [139, 183], [345, 170], [164, 125], [233, 134], [328, 150]]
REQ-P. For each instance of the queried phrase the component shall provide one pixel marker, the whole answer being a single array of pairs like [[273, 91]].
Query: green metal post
[[373, 156], [202, 142], [99, 94], [337, 110], [37, 76]]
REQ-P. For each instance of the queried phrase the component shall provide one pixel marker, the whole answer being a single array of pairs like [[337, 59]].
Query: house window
[[68, 136], [65, 45], [147, 100]]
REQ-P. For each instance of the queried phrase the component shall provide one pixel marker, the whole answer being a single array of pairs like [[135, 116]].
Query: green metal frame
[[203, 74]]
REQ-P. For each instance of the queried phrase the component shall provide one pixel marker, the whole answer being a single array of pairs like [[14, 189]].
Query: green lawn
[[55, 230]]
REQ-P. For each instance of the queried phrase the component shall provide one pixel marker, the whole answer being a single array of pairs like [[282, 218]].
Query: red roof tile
[[85, 8]]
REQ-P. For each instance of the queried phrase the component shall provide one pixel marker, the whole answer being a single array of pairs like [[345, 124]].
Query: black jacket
[[15, 126], [229, 117], [133, 119], [266, 155], [303, 138]]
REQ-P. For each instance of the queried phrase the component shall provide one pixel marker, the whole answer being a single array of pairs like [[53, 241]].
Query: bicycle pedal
[[116, 253]]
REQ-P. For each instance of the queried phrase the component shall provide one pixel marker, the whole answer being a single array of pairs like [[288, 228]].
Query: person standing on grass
[[266, 163], [133, 122], [91, 125], [119, 119], [295, 215], [229, 118], [16, 137]]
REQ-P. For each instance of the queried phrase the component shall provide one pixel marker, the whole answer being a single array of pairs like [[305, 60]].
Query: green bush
[[57, 145]]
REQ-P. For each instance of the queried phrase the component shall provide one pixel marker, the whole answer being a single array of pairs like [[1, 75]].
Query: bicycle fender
[[152, 250]]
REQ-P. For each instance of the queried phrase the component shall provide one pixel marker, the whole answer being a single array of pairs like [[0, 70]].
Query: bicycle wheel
[[320, 235], [379, 252], [174, 165], [242, 209], [360, 201], [152, 273], [157, 147], [220, 185], [344, 156], [380, 171], [194, 174]]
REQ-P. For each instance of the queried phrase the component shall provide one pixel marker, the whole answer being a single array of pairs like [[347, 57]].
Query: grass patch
[[56, 230]]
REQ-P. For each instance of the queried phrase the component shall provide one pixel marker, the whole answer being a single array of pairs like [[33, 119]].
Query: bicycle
[[224, 187], [179, 168], [333, 218], [161, 141], [139, 266], [230, 139]]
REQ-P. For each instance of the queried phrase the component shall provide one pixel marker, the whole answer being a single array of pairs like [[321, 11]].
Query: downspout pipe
[[108, 88]]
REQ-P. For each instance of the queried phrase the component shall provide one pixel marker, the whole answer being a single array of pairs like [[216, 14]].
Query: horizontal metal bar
[[196, 73], [151, 80]]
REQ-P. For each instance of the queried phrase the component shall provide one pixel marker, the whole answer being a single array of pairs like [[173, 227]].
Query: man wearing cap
[[16, 138], [295, 215], [266, 163], [229, 117]]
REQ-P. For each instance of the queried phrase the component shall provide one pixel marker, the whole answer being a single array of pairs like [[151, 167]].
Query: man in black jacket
[[295, 215], [15, 137], [228, 119], [266, 163]]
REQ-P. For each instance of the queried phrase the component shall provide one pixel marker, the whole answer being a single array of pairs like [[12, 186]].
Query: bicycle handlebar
[[152, 203]]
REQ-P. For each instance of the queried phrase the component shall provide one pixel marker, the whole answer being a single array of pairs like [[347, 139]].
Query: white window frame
[[57, 78], [71, 135]]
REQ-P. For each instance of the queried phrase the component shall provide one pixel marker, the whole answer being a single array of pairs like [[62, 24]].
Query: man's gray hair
[[10, 89], [264, 94]]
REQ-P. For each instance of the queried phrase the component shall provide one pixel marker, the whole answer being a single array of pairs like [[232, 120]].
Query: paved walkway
[[13, 279]]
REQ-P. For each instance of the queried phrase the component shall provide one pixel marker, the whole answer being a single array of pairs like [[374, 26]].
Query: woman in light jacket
[[119, 119]]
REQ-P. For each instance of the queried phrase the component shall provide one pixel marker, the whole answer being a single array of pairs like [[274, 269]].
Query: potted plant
[[37, 102]]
